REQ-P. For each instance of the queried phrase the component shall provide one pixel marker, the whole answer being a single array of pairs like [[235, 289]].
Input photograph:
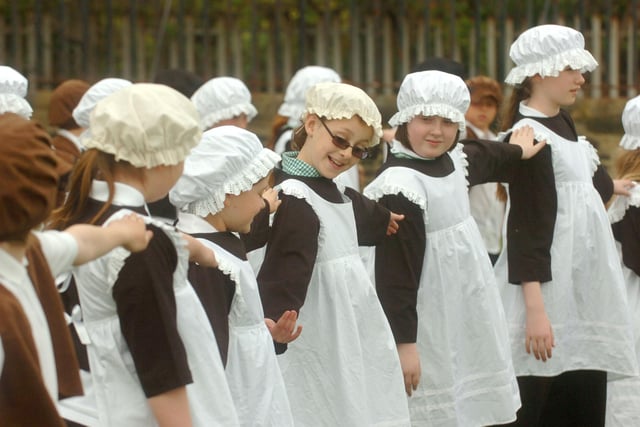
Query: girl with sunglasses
[[434, 277], [343, 370], [570, 300]]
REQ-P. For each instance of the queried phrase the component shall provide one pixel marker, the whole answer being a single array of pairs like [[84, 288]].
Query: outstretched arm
[[621, 187], [94, 241], [200, 253], [524, 138]]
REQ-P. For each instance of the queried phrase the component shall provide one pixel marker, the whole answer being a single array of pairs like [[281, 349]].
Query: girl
[[221, 190], [560, 249], [623, 395], [343, 370], [152, 352], [290, 115], [434, 277], [291, 110]]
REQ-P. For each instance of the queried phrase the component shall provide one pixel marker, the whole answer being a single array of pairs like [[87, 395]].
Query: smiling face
[[431, 136], [320, 152]]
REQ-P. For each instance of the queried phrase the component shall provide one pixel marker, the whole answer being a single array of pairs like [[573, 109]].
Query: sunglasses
[[343, 144]]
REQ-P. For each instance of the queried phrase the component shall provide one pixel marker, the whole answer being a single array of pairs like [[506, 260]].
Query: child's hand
[[388, 135], [539, 335], [621, 187], [284, 331], [393, 223], [199, 253], [524, 137], [271, 196], [410, 363], [132, 227]]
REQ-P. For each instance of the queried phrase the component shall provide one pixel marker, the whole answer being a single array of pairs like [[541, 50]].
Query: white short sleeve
[[60, 250]]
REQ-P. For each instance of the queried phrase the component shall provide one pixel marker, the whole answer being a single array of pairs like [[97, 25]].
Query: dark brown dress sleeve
[[146, 307], [399, 260], [603, 183], [532, 219], [372, 219], [215, 291], [258, 236], [491, 161], [286, 271], [627, 232]]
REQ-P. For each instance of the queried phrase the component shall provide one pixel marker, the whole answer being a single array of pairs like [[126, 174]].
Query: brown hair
[[519, 94], [92, 164], [628, 165], [299, 137], [483, 87]]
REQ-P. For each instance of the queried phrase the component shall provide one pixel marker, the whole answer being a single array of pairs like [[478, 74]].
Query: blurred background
[[371, 43]]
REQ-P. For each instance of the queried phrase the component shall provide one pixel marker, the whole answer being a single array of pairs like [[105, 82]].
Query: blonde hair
[[628, 165]]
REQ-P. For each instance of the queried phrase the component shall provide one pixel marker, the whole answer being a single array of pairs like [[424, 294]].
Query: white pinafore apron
[[586, 301], [467, 376], [344, 369], [623, 394], [119, 396], [252, 369]]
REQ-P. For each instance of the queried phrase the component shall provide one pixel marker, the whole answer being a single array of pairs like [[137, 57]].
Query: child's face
[[239, 211], [482, 112], [561, 90], [320, 152], [431, 136]]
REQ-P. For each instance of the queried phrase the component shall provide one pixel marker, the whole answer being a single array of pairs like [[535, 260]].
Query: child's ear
[[310, 124], [227, 202]]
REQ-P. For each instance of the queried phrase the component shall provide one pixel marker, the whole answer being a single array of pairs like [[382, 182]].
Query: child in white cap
[[13, 91], [224, 101], [152, 352], [291, 110], [570, 301], [434, 277], [343, 370], [219, 194], [623, 395]]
